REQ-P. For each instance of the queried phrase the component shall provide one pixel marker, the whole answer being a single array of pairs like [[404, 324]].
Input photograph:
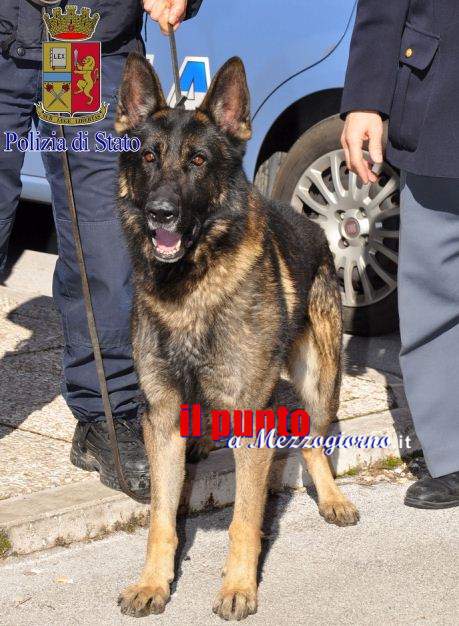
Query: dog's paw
[[235, 604], [141, 600], [340, 512]]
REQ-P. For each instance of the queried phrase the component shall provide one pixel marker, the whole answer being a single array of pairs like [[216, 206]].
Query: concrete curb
[[87, 510]]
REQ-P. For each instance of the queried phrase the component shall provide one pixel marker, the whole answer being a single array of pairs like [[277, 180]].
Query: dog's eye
[[149, 157], [198, 160]]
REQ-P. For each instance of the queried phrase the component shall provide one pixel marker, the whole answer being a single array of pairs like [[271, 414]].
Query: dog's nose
[[163, 212]]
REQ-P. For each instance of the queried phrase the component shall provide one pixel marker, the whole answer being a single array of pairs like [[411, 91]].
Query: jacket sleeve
[[192, 8], [373, 58]]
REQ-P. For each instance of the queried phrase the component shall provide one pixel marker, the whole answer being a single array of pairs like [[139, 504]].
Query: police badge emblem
[[71, 74]]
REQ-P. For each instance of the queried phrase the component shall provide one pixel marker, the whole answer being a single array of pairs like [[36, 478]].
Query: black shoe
[[434, 493], [91, 451]]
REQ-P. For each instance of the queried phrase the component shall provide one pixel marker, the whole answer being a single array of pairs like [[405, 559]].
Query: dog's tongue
[[167, 242]]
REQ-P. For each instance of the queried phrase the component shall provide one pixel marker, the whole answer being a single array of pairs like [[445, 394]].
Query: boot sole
[[419, 504], [86, 461]]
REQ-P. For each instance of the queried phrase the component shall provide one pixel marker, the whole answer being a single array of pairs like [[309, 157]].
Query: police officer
[[94, 179], [403, 66]]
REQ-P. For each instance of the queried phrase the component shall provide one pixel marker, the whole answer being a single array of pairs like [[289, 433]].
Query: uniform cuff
[[363, 104]]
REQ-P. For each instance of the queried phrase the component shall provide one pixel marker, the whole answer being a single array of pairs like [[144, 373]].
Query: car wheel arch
[[288, 127]]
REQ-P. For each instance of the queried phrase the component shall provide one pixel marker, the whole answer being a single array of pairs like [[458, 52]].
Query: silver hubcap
[[361, 223]]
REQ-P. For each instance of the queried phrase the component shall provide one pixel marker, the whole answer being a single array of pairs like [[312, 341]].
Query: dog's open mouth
[[169, 246]]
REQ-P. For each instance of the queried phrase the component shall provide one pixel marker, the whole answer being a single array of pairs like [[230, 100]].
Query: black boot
[[434, 493], [91, 451]]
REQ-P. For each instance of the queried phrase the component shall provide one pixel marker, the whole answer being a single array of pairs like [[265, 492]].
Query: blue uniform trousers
[[428, 288], [94, 178]]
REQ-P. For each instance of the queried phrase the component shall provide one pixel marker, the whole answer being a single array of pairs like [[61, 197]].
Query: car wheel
[[361, 223]]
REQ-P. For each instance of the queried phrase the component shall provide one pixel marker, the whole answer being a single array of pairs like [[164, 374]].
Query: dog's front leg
[[238, 596], [166, 454]]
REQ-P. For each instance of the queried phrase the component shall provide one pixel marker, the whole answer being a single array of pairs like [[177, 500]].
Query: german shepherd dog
[[231, 289]]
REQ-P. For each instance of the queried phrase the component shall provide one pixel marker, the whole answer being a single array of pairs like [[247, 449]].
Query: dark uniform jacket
[[119, 28], [404, 63]]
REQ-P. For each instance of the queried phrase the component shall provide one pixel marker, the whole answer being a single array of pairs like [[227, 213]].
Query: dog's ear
[[228, 100], [140, 93]]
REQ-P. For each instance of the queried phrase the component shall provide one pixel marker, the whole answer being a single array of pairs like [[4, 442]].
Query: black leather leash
[[180, 102]]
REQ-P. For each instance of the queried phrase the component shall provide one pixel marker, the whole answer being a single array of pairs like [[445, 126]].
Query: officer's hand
[[166, 12], [363, 126]]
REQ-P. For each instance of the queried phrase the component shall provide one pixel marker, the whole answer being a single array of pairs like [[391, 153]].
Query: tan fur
[[239, 587], [200, 116], [123, 188], [121, 123], [288, 286], [166, 454], [333, 505], [162, 114], [245, 132], [315, 370], [304, 369]]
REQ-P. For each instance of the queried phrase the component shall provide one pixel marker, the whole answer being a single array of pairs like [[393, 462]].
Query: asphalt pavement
[[398, 566]]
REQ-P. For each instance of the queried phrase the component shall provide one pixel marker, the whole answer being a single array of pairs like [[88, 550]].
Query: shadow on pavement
[[27, 384]]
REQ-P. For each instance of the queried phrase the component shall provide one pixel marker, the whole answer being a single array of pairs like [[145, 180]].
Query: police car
[[295, 55]]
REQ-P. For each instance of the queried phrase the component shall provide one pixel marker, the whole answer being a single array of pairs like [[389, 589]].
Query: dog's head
[[177, 182]]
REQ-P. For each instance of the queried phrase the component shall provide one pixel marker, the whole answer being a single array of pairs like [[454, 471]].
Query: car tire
[[362, 315]]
